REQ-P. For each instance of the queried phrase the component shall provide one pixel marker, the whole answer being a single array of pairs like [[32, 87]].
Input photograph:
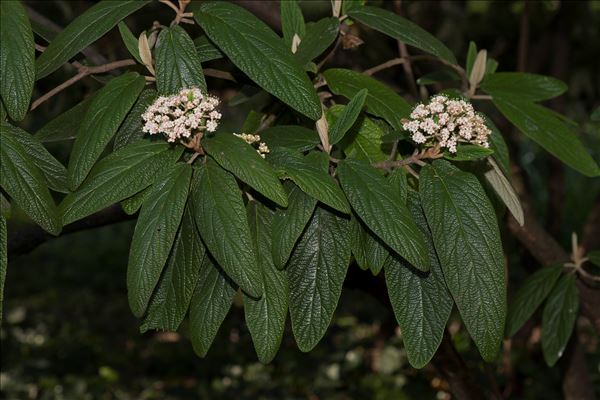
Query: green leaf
[[209, 305], [206, 50], [381, 100], [316, 272], [471, 55], [83, 31], [172, 296], [292, 21], [290, 136], [421, 302], [255, 49], [252, 122], [319, 36], [25, 183], [223, 225], [17, 59], [108, 109], [467, 240], [369, 250], [177, 62], [382, 210], [401, 29], [310, 177], [242, 160], [3, 261], [558, 319], [54, 172], [154, 234], [526, 87], [130, 41], [594, 257], [118, 176], [549, 131], [130, 130], [347, 117], [266, 316], [439, 76], [530, 296], [66, 125], [132, 204], [499, 146], [503, 188], [289, 223], [468, 152]]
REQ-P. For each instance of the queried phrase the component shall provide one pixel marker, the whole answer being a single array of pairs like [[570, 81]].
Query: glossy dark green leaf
[[154, 234], [108, 109], [174, 290], [318, 37], [498, 144], [381, 209], [558, 319], [421, 302], [66, 125], [467, 240], [206, 50], [132, 204], [131, 129], [241, 159], [526, 87], [381, 100], [130, 41], [549, 131], [177, 62], [401, 29], [255, 49], [83, 31], [25, 183], [316, 272], [530, 296], [265, 317], [290, 136], [468, 152], [223, 225], [347, 117], [471, 55], [292, 21], [368, 250], [3, 261], [17, 59], [118, 176]]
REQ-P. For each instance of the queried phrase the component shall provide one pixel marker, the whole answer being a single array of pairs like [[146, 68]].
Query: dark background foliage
[[68, 331]]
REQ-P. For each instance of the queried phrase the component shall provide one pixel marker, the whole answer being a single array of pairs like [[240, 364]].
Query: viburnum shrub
[[332, 169]]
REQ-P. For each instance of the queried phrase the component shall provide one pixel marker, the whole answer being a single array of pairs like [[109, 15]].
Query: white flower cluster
[[182, 115], [447, 122], [263, 149]]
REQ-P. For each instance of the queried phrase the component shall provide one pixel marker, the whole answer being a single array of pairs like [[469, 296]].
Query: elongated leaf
[[467, 240], [66, 125], [131, 129], [558, 319], [499, 146], [101, 121], [347, 117], [171, 300], [223, 225], [130, 41], [133, 204], [255, 49], [549, 131], [17, 59], [206, 50], [83, 31], [290, 136], [471, 54], [468, 152], [318, 37], [527, 87], [266, 316], [177, 62], [117, 177], [3, 261], [369, 250], [25, 183], [209, 305], [402, 29], [382, 210], [316, 272], [288, 224], [155, 233], [505, 191], [292, 21], [594, 257], [381, 100], [310, 177], [241, 159], [421, 302], [530, 296]]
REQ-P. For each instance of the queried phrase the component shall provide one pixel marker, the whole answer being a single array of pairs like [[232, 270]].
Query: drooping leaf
[[499, 146], [381, 100], [255, 49], [206, 50], [66, 125], [108, 109], [401, 29], [83, 31], [241, 159], [223, 225], [132, 204], [421, 302], [177, 62], [468, 152], [130, 41], [368, 250], [467, 240], [25, 183], [382, 210], [316, 272], [347, 117], [131, 129], [154, 234], [530, 296], [266, 316], [527, 87], [318, 37], [17, 59], [558, 319], [292, 21], [505, 191], [3, 261], [290, 136]]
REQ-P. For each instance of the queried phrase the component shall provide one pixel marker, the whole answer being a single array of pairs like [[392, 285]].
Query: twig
[[481, 97], [416, 158]]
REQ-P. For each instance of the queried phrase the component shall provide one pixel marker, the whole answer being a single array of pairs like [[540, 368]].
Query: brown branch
[[431, 153]]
